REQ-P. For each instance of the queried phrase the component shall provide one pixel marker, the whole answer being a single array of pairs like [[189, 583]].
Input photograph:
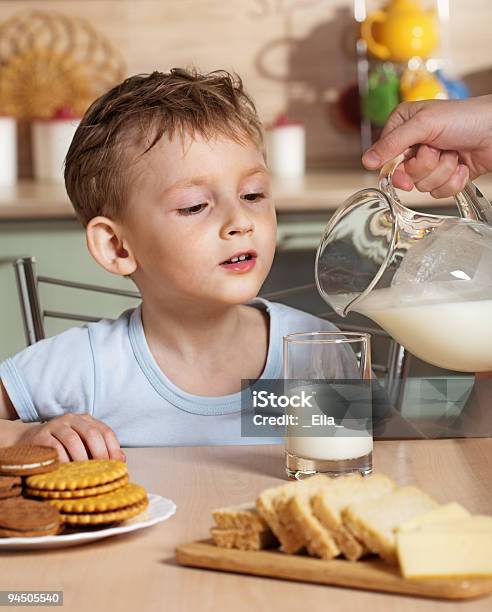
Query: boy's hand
[[76, 437]]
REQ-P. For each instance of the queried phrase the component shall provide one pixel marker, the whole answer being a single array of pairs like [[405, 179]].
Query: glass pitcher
[[426, 279]]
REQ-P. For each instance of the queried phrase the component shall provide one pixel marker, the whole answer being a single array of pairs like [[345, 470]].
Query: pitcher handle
[[471, 202]]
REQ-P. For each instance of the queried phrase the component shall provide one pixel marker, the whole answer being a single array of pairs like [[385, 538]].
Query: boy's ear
[[108, 247]]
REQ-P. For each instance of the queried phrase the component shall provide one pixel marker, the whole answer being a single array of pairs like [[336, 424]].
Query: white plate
[[158, 510]]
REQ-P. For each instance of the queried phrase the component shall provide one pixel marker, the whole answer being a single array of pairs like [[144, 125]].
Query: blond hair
[[135, 114]]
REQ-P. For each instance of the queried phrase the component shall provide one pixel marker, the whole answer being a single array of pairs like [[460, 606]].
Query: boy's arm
[[11, 427], [75, 436], [53, 396], [7, 410]]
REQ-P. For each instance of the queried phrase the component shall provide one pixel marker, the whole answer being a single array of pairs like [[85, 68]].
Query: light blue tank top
[[107, 369]]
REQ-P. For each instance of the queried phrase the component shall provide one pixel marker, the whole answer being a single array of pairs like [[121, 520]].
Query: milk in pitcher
[[451, 334]]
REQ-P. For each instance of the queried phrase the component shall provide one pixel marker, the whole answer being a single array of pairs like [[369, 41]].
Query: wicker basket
[[49, 61]]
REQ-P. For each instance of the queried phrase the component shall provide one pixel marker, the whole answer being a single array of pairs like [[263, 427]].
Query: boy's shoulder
[[76, 339], [59, 373], [70, 354], [293, 320]]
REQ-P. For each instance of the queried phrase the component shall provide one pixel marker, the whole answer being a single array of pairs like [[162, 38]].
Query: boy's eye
[[254, 197], [192, 210]]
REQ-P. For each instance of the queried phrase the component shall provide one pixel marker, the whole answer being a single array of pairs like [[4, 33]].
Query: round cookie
[[21, 517], [115, 500], [87, 492], [10, 486], [24, 460], [6, 482], [106, 517], [13, 492], [79, 475]]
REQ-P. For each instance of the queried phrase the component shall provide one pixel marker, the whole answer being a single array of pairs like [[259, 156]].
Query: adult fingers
[[455, 184], [401, 180], [442, 174], [403, 112], [405, 133], [423, 164]]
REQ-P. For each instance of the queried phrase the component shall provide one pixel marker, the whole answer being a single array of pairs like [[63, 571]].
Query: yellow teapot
[[420, 84], [400, 31]]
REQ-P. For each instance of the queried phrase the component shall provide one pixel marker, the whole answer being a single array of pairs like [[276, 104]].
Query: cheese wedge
[[445, 553], [472, 523], [441, 514], [374, 522]]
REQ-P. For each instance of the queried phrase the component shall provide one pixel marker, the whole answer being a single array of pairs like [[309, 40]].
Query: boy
[[167, 173]]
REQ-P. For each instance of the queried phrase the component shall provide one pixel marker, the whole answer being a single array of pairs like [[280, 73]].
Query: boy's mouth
[[241, 262]]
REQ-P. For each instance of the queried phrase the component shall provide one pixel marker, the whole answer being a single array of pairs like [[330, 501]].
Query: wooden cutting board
[[373, 575]]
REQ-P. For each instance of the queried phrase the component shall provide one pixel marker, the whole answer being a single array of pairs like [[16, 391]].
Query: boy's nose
[[236, 222]]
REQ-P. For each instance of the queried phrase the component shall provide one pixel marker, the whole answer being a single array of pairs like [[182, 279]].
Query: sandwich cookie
[[10, 486], [27, 460], [85, 492], [119, 505], [78, 475], [23, 518], [103, 518]]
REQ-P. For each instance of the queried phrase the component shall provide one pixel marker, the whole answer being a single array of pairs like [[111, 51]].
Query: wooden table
[[137, 572]]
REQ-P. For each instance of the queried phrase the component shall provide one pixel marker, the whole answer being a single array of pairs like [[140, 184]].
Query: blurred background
[[296, 56], [325, 74]]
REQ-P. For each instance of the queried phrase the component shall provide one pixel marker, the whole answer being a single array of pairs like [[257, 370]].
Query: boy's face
[[193, 206]]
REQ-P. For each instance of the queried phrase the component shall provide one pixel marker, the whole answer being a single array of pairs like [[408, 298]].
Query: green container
[[383, 94]]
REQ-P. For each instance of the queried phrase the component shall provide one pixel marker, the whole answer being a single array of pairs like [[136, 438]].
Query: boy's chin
[[240, 296]]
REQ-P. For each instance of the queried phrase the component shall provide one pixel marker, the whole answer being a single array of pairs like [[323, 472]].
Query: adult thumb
[[398, 140]]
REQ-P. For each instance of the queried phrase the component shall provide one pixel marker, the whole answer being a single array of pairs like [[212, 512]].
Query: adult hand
[[455, 138], [76, 437]]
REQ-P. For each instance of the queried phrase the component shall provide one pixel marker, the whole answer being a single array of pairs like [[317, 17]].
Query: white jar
[[8, 150], [286, 149], [51, 140]]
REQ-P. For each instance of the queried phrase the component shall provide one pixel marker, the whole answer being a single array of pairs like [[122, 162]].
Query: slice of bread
[[243, 539], [271, 503], [327, 505], [243, 516], [374, 522], [298, 513]]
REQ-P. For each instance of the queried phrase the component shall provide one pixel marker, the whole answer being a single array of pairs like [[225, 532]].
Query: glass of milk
[[329, 420]]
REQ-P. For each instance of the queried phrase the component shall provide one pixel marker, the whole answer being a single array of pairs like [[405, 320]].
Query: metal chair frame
[[395, 369], [32, 312]]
